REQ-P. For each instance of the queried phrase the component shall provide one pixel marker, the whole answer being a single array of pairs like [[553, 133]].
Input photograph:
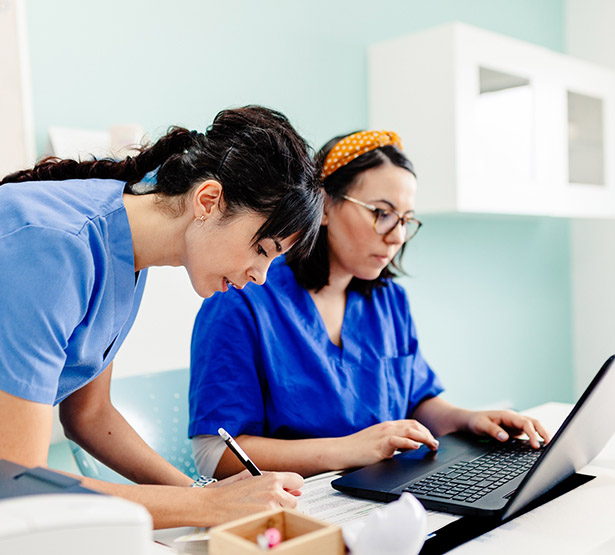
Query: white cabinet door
[[497, 125]]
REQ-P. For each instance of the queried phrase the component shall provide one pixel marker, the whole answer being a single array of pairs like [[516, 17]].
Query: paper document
[[320, 500]]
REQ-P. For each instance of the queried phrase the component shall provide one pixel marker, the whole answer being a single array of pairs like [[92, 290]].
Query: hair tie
[[355, 145], [196, 135]]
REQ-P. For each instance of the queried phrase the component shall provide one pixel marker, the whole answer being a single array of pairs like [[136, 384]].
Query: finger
[[495, 431], [542, 431], [396, 442], [524, 424], [287, 500], [420, 433], [529, 429], [290, 480]]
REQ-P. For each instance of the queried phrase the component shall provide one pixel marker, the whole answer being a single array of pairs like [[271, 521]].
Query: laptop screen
[[588, 427]]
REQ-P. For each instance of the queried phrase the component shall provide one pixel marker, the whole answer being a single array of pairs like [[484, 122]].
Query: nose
[[397, 235], [258, 275]]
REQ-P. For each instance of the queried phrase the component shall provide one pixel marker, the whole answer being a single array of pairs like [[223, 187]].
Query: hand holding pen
[[242, 495], [243, 457]]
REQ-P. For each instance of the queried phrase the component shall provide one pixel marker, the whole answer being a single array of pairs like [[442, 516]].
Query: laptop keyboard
[[470, 480]]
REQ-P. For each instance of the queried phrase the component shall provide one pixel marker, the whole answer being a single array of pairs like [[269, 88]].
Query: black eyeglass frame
[[378, 212]]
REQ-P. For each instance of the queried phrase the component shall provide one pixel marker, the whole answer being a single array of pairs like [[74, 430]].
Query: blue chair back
[[156, 406]]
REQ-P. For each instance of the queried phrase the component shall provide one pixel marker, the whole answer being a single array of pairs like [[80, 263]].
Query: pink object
[[274, 536]]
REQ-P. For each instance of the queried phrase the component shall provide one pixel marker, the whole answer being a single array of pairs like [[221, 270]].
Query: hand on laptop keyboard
[[443, 418], [380, 441], [500, 424]]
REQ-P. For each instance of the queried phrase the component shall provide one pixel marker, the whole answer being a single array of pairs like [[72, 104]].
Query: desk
[[580, 522]]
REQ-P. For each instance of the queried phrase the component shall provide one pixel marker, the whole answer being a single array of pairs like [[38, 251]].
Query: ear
[[325, 213], [207, 198]]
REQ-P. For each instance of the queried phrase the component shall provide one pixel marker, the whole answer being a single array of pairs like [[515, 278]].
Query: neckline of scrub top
[[323, 325], [349, 348]]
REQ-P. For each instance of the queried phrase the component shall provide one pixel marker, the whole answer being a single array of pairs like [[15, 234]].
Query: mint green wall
[[492, 300], [491, 295]]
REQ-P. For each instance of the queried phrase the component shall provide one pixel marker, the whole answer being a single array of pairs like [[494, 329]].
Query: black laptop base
[[469, 527], [392, 476]]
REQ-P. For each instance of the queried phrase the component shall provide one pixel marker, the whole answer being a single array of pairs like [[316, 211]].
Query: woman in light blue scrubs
[[76, 239], [320, 369]]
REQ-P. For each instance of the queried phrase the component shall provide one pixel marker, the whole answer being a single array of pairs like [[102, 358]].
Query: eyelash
[[261, 250]]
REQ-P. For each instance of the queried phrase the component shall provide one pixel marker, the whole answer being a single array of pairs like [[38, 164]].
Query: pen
[[239, 452]]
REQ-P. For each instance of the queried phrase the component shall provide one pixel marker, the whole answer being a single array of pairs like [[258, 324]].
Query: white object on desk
[[399, 528], [62, 524]]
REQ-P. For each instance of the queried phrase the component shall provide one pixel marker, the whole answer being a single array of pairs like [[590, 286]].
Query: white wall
[[589, 34], [593, 307], [589, 30], [16, 128], [160, 336]]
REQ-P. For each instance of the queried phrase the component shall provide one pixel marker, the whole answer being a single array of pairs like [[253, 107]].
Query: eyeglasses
[[387, 220]]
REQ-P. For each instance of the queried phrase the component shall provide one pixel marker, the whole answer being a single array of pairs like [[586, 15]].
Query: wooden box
[[301, 535]]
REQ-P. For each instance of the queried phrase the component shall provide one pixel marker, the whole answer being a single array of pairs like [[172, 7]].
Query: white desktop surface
[[580, 522]]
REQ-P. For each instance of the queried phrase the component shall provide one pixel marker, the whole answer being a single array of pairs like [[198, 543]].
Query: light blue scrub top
[[67, 284], [262, 363]]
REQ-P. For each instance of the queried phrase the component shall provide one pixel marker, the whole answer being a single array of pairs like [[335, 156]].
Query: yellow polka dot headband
[[355, 145]]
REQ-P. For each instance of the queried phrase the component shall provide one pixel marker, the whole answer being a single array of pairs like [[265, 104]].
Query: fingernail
[[502, 436]]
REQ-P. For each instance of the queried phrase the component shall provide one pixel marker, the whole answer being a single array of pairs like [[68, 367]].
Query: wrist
[[462, 419], [337, 453]]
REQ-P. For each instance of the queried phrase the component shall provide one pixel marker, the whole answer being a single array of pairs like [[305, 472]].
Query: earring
[[199, 221]]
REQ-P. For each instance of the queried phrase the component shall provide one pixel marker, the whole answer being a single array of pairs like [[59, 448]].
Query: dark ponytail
[[131, 169], [262, 163]]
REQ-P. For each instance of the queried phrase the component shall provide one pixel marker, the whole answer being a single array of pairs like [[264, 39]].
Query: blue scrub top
[[262, 362], [67, 284]]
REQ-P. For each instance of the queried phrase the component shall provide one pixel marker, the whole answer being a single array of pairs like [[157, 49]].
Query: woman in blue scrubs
[[76, 239], [320, 369]]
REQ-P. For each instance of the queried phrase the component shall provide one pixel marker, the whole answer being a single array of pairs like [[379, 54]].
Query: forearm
[[169, 506], [441, 417], [107, 436], [304, 456]]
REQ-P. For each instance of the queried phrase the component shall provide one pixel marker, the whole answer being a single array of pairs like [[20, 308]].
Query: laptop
[[471, 475]]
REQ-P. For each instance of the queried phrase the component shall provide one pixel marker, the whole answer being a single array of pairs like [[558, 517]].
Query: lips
[[226, 283]]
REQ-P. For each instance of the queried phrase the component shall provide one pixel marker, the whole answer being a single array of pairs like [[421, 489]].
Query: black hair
[[260, 160], [312, 272]]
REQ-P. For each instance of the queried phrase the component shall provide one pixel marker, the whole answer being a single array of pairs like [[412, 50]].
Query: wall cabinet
[[497, 125]]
